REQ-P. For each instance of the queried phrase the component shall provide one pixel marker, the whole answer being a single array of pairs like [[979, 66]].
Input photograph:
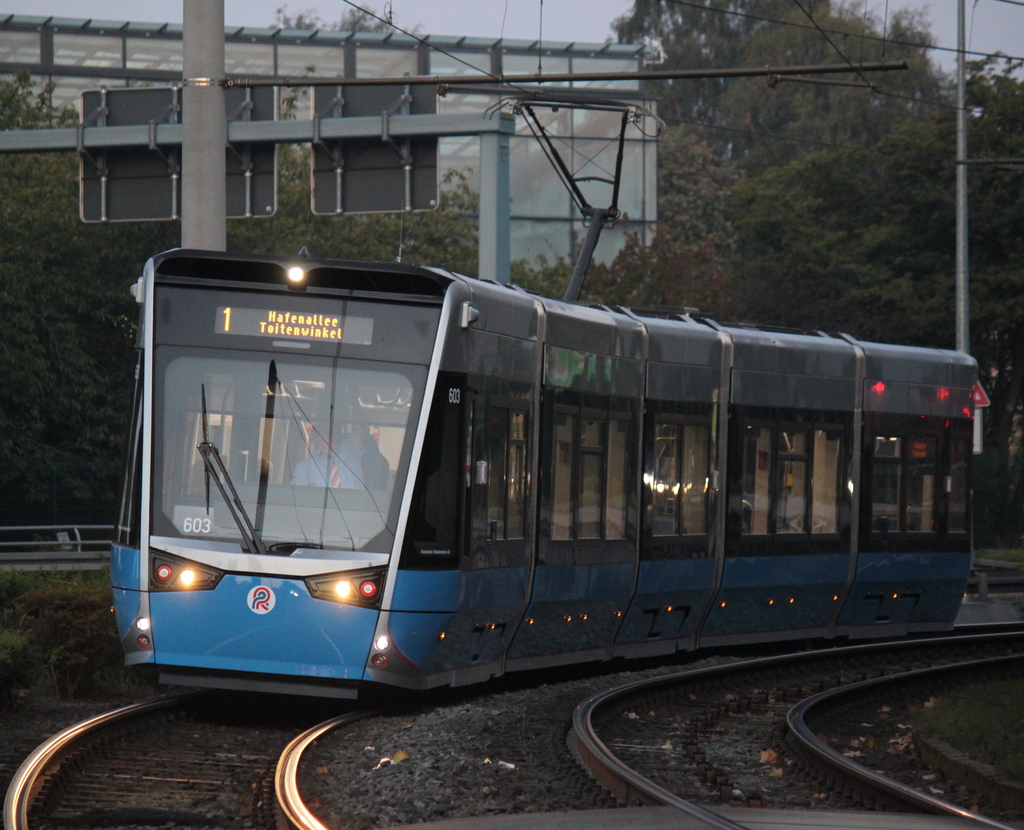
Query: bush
[[72, 633], [57, 635], [15, 662]]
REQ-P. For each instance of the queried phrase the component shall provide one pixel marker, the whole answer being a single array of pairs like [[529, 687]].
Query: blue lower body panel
[[917, 590], [575, 608], [125, 568], [777, 594], [261, 624], [670, 596], [446, 621], [126, 609]]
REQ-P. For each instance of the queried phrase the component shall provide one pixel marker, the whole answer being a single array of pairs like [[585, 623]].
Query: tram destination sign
[[294, 325]]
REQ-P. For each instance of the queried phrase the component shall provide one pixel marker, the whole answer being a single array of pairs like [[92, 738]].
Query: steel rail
[[624, 783], [632, 788], [30, 777], [808, 743], [286, 777]]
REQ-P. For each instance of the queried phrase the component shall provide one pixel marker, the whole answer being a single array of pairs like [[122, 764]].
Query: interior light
[[296, 274], [188, 576]]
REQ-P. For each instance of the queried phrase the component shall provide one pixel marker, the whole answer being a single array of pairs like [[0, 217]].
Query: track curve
[[634, 788], [29, 778], [807, 742], [286, 785]]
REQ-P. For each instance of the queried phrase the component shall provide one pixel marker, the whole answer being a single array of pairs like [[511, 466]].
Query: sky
[[992, 24]]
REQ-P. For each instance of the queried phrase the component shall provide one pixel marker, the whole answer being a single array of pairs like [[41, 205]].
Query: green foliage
[[57, 635], [15, 659], [985, 721], [68, 354], [72, 633], [795, 116]]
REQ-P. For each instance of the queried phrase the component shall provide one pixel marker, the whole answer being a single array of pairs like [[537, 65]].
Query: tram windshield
[[316, 449]]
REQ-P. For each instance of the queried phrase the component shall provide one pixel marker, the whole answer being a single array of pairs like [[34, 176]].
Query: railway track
[[192, 760], [687, 739], [664, 740]]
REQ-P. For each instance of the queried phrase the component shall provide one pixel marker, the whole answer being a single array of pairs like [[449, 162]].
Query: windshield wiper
[[265, 448], [215, 468]]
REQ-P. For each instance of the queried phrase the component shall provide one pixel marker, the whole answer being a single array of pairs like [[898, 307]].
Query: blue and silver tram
[[345, 472]]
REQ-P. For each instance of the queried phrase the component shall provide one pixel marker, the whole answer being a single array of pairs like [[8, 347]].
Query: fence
[[55, 547]]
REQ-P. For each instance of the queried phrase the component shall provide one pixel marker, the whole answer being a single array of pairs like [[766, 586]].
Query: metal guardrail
[[55, 547]]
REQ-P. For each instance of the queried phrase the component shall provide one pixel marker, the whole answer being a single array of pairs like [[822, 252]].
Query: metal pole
[[579, 273], [493, 252], [963, 318], [204, 130]]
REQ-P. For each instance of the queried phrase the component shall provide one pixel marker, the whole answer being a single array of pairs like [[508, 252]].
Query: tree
[[762, 126], [67, 354], [351, 20], [686, 264]]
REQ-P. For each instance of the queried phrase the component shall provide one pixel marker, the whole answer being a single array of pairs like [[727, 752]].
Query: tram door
[[497, 552]]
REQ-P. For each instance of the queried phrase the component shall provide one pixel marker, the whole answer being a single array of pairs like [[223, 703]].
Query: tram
[[343, 474]]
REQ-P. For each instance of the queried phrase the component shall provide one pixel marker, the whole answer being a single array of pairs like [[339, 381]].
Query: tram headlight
[[296, 278], [171, 573], [362, 588]]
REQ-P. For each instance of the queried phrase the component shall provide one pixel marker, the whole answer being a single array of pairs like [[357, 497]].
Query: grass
[[985, 721], [1015, 555]]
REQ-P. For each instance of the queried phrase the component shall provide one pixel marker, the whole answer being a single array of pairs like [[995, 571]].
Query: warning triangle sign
[[980, 398]]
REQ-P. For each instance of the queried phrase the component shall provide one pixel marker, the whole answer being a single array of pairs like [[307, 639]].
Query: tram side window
[[757, 470], [825, 482], [679, 480], [920, 484], [960, 453], [790, 480], [588, 525], [617, 480], [562, 458], [791, 501], [590, 479], [506, 495], [885, 483]]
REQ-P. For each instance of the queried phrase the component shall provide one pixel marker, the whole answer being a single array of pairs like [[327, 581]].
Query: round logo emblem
[[261, 600]]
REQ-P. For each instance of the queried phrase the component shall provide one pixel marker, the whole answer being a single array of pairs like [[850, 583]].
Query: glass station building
[[77, 55]]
